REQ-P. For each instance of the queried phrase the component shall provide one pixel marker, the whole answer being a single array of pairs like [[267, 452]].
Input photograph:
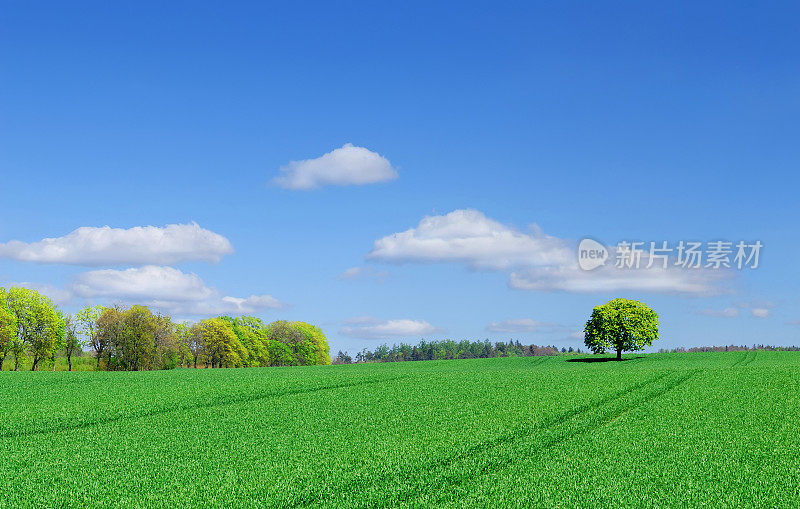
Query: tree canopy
[[622, 325], [39, 325], [33, 329]]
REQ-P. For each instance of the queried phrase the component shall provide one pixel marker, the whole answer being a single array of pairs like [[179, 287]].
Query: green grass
[[701, 429]]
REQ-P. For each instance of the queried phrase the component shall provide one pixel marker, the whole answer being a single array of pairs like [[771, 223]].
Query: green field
[[713, 429]]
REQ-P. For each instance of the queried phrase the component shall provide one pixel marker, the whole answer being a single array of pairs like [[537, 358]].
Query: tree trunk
[[16, 362], [69, 361], [35, 364], [2, 360], [619, 354]]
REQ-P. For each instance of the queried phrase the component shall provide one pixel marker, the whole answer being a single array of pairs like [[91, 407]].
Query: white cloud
[[729, 312], [570, 278], [220, 306], [59, 296], [371, 328], [534, 261], [141, 245], [760, 312], [469, 237], [345, 166], [516, 325], [168, 289], [148, 282], [351, 273], [362, 273]]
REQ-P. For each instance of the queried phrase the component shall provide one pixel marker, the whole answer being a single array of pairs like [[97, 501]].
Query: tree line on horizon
[[730, 348], [448, 349], [32, 328]]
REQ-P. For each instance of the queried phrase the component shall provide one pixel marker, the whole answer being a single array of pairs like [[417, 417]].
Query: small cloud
[[577, 335], [729, 312], [514, 326], [760, 312], [372, 328], [351, 273], [345, 166], [140, 245], [362, 273]]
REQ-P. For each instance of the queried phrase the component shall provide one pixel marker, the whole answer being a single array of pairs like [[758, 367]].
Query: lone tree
[[621, 325]]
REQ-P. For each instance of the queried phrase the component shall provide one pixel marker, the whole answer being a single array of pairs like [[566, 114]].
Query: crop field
[[713, 429]]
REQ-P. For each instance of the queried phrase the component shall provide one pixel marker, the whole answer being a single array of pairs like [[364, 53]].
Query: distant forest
[[448, 349], [731, 348]]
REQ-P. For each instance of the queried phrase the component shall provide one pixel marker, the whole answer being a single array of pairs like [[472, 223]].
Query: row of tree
[[134, 338], [730, 348], [448, 349]]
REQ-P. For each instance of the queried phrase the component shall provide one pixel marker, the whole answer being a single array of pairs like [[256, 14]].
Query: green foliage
[[673, 430], [621, 325], [8, 329], [221, 346], [33, 330], [135, 339], [40, 326], [318, 351], [252, 334], [449, 349], [72, 344], [295, 344], [87, 319]]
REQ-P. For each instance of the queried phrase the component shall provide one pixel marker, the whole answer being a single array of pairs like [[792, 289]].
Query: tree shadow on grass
[[604, 359]]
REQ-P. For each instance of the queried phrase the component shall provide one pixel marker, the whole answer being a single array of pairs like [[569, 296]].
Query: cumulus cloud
[[760, 312], [345, 166], [729, 312], [534, 261], [469, 237], [220, 305], [140, 245], [168, 289], [151, 282], [372, 328], [516, 325]]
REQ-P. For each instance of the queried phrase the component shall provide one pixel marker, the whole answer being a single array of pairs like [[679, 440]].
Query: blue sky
[[619, 121]]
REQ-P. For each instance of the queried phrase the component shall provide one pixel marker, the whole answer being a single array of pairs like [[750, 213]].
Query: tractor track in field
[[550, 425], [742, 360], [562, 435], [538, 361], [71, 426], [750, 360]]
